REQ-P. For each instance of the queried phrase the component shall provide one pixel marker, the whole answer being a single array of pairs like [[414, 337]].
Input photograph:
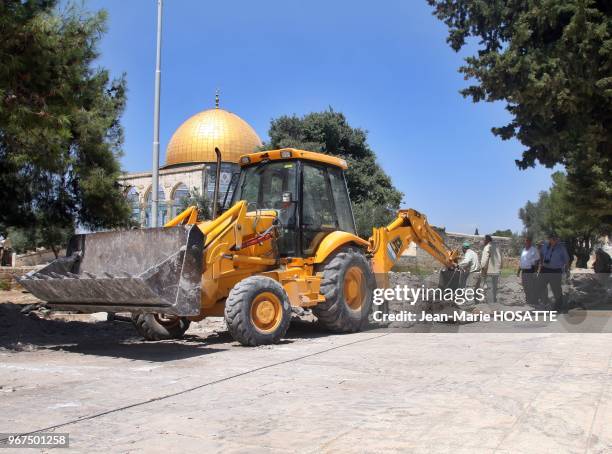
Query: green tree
[[374, 197], [368, 215], [517, 242], [551, 62], [199, 200], [534, 217], [505, 233], [22, 239], [60, 135], [29, 238], [554, 212]]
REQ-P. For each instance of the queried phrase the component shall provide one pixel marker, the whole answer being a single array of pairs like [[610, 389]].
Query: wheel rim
[[266, 312], [167, 321], [354, 287]]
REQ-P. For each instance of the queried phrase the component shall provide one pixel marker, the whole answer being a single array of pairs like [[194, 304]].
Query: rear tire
[[257, 311], [347, 285], [154, 327]]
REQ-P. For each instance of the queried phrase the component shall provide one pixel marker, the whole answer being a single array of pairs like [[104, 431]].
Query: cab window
[[341, 200], [263, 186], [318, 214]]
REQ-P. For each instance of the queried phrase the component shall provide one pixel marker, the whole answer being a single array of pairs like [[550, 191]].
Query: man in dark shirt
[[554, 262]]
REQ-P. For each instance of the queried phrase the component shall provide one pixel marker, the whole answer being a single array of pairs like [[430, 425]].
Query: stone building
[[191, 163]]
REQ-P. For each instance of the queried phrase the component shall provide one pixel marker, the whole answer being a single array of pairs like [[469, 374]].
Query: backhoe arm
[[388, 243]]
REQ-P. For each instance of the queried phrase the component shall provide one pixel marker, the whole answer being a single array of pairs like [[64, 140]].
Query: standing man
[[7, 252], [2, 241], [490, 267], [541, 293], [603, 262], [555, 260], [528, 266], [469, 265]]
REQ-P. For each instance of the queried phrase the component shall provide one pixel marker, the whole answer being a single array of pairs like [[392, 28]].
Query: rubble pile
[[510, 291], [589, 290], [413, 281]]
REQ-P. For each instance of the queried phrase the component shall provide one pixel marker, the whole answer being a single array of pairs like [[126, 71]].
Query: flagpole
[[155, 183]]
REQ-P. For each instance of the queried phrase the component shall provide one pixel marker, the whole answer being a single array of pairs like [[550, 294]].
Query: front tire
[[257, 311], [156, 327], [347, 285]]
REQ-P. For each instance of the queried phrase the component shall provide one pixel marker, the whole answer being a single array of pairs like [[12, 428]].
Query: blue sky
[[385, 65]]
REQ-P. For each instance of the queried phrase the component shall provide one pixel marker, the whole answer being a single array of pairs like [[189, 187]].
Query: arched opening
[[134, 202], [162, 213], [181, 192]]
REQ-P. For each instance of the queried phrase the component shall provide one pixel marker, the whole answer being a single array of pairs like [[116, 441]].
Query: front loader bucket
[[145, 270]]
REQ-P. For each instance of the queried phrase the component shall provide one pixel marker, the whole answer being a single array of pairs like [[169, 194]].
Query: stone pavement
[[364, 392]]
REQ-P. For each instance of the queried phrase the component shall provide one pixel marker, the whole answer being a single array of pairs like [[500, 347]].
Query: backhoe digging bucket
[[147, 270]]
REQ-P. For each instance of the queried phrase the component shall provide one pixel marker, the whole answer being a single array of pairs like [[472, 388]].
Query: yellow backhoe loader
[[287, 240]]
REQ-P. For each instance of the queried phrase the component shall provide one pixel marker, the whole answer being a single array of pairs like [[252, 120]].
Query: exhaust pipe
[[217, 183]]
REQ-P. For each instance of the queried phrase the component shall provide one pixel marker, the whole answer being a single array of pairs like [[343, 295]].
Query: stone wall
[[8, 273], [455, 240], [414, 256], [38, 257]]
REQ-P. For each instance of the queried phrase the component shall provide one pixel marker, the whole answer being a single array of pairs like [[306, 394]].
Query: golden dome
[[195, 140]]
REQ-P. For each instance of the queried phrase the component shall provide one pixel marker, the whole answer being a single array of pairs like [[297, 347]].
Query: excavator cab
[[310, 198]]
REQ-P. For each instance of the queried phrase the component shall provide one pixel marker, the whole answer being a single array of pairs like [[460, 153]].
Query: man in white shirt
[[490, 267], [528, 266], [469, 265]]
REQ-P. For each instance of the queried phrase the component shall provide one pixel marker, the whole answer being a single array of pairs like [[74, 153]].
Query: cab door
[[325, 205]]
